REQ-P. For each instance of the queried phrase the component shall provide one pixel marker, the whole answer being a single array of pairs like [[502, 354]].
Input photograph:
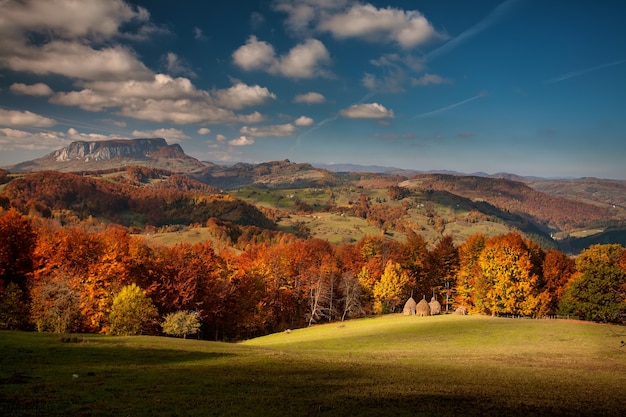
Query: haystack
[[422, 308], [435, 306], [461, 311], [409, 307]]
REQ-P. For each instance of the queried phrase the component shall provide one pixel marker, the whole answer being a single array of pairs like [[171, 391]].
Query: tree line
[[82, 278]]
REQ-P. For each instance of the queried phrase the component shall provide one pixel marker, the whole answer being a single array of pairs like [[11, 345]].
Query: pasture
[[391, 365]]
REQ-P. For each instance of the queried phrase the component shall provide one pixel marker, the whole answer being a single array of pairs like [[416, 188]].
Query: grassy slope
[[392, 365]]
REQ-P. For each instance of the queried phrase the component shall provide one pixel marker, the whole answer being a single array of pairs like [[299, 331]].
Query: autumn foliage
[[97, 278]]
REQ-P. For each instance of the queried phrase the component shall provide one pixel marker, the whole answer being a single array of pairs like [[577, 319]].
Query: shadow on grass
[[112, 379]]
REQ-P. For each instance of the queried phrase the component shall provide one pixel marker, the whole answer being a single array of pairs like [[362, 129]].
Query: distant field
[[186, 235], [333, 227], [384, 366]]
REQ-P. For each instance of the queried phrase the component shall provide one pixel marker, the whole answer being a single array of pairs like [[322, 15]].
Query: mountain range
[[561, 208]]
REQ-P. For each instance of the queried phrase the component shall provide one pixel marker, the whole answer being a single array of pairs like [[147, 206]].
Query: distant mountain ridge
[[107, 154]]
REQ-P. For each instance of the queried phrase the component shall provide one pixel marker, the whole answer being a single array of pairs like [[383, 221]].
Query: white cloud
[[204, 131], [407, 28], [184, 111], [16, 118], [428, 79], [367, 111], [302, 14], [310, 98], [241, 141], [75, 135], [303, 121], [175, 65], [12, 139], [220, 138], [167, 99], [38, 89], [72, 35], [305, 60], [76, 60], [94, 19], [242, 95], [264, 131], [172, 135], [254, 55]]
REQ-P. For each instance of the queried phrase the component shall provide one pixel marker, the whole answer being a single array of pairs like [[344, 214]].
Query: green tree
[[132, 310], [181, 323], [597, 291]]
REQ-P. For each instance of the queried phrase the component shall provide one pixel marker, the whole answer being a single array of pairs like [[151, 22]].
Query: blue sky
[[522, 86]]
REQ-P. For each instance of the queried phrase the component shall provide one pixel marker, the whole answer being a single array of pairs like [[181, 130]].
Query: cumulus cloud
[[93, 19], [254, 55], [305, 60], [220, 138], [367, 111], [241, 141], [242, 95], [303, 14], [309, 98], [75, 135], [61, 58], [12, 139], [167, 99], [273, 130], [430, 79], [303, 121], [16, 118], [204, 131], [70, 30], [172, 135], [406, 28], [38, 89]]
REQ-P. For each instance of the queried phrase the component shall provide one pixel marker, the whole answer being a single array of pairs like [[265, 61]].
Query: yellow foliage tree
[[506, 268], [393, 284]]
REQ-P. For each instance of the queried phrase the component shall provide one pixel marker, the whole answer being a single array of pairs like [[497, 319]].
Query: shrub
[[181, 323]]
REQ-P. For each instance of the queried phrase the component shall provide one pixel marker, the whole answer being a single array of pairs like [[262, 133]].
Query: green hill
[[391, 365]]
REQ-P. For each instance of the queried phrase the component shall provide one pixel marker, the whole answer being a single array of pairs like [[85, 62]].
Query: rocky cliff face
[[105, 150], [107, 154]]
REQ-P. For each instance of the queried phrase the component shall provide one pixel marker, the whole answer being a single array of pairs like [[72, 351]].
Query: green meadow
[[392, 365]]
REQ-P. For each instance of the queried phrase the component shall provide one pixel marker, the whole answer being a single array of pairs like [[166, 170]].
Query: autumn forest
[[62, 270]]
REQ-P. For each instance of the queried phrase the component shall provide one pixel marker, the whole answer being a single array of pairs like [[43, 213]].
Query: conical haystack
[[461, 310], [435, 306], [422, 308], [409, 307]]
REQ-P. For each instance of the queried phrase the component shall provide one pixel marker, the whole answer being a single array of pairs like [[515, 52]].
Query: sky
[[529, 87]]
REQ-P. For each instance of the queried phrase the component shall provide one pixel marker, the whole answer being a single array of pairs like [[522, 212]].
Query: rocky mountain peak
[[107, 154]]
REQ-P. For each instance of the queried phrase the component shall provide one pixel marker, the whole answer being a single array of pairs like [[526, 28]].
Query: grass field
[[384, 366]]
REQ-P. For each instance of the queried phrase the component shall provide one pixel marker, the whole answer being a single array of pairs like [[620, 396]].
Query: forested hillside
[[140, 197], [554, 212], [82, 279]]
